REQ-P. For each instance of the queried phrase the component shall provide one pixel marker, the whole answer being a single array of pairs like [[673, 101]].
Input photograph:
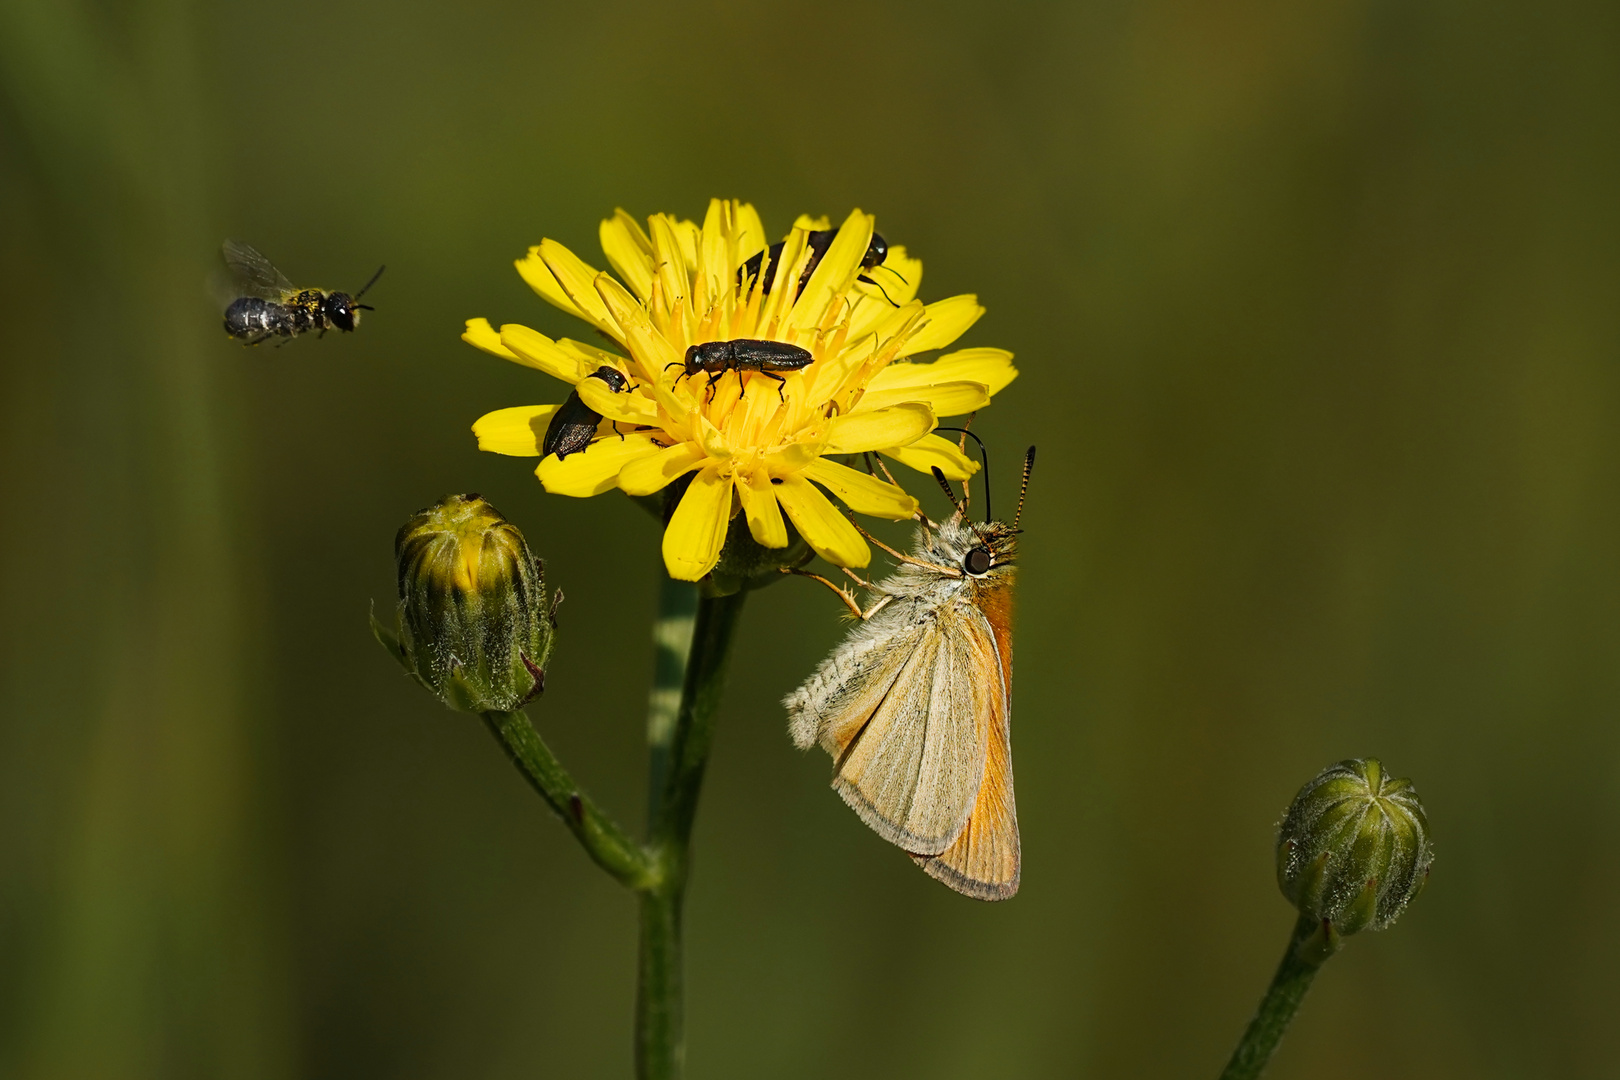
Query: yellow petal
[[758, 496], [866, 430], [590, 357], [715, 272], [533, 349], [594, 469], [930, 452], [516, 432], [670, 259], [652, 473], [946, 399], [947, 320], [629, 252], [993, 367], [862, 493], [791, 458], [836, 270], [484, 336], [627, 407], [697, 531], [820, 523], [532, 268], [750, 233], [652, 350], [578, 279]]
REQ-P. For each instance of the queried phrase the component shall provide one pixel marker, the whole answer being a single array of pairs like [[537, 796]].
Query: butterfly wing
[[983, 862], [912, 771]]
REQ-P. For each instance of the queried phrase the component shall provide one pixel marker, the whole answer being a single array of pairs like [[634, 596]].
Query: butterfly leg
[[843, 594], [948, 571]]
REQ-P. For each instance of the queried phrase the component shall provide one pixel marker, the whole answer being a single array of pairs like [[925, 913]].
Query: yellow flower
[[756, 444]]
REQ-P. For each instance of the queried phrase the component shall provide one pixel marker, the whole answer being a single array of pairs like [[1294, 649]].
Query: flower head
[[1353, 848], [475, 623], [758, 439]]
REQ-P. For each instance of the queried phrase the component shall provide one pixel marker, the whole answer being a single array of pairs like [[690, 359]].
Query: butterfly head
[[981, 550]]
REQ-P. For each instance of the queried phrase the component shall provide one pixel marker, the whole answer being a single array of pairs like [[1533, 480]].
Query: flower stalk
[[660, 1011], [1300, 963]]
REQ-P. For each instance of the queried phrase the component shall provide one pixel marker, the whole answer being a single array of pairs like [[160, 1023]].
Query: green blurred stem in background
[[1300, 963], [678, 751]]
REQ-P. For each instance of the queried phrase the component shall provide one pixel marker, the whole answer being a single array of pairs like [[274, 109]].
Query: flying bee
[[268, 305], [818, 241], [743, 354]]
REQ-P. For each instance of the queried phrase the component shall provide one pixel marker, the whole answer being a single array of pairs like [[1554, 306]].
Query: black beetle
[[818, 242], [573, 425], [744, 354]]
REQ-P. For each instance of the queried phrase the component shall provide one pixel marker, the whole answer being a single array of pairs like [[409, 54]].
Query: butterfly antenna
[[945, 485], [984, 458], [1029, 464], [372, 282]]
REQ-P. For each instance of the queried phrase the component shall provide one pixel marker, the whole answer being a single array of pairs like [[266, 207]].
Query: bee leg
[[321, 334], [843, 594]]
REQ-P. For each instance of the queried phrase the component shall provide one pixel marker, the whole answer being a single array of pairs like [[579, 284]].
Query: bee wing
[[254, 275], [984, 860], [913, 769]]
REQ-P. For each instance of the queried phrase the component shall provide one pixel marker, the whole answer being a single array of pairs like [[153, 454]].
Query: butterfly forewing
[[912, 771]]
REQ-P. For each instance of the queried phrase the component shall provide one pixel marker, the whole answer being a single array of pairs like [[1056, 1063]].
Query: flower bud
[[1353, 849], [474, 623]]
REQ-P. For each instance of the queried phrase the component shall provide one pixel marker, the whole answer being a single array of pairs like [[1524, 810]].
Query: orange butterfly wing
[[984, 861]]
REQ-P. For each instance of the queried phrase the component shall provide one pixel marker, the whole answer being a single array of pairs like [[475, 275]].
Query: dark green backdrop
[[1316, 308]]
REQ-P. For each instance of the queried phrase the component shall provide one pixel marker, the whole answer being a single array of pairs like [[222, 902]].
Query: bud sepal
[[1353, 850], [475, 625]]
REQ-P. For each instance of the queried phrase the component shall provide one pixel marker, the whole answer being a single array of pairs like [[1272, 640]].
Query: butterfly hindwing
[[984, 861]]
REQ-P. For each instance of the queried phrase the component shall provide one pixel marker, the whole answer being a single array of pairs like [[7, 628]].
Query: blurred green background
[[1316, 308]]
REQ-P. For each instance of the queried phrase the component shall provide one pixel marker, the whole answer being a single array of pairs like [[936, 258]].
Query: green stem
[[660, 1050], [601, 837], [1300, 963]]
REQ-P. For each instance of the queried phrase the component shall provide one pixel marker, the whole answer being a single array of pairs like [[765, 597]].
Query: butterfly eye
[[977, 562]]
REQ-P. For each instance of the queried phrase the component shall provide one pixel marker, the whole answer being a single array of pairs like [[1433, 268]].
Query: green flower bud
[[474, 623], [1353, 849]]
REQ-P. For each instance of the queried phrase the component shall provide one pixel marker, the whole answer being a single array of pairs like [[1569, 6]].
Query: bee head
[[341, 311]]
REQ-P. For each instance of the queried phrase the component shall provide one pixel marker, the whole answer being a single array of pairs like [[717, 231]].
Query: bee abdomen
[[251, 317]]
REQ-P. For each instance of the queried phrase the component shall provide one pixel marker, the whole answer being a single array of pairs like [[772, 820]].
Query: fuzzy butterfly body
[[914, 708]]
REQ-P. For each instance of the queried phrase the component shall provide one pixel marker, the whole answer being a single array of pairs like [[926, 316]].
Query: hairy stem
[[677, 769], [601, 837], [1299, 966]]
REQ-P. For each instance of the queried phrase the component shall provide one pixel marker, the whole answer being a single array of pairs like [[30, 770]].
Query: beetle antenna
[[1029, 464], [879, 288], [984, 457], [895, 272], [945, 485], [370, 283]]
